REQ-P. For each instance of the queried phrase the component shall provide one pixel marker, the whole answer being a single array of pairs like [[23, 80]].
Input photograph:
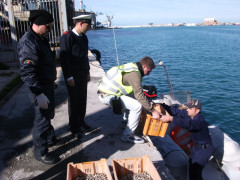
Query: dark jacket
[[37, 61], [74, 54]]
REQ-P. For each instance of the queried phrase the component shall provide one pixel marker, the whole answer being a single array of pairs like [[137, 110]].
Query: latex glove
[[156, 115], [42, 101]]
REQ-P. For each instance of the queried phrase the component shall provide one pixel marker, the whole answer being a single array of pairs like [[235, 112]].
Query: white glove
[[42, 101]]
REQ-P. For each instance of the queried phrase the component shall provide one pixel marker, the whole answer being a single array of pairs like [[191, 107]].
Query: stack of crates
[[93, 167], [123, 167], [151, 126]]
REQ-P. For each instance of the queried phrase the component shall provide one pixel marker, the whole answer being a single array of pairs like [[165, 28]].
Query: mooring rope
[[115, 43]]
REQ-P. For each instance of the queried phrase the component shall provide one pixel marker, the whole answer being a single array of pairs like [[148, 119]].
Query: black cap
[[194, 103], [40, 17]]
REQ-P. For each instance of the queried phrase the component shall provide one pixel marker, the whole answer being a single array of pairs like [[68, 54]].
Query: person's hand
[[166, 118], [156, 115], [71, 82], [88, 78], [42, 101]]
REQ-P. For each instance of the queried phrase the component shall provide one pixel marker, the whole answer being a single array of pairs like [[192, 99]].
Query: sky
[[143, 12]]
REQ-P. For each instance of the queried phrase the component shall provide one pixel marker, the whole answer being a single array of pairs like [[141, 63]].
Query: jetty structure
[[17, 160]]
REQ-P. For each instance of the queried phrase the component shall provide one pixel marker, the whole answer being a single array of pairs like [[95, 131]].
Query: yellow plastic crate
[[124, 167], [93, 167], [152, 126]]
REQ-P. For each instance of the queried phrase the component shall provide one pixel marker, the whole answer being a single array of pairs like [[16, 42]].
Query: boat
[[225, 161]]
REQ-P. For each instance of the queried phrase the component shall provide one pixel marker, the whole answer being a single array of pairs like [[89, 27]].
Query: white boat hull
[[223, 165]]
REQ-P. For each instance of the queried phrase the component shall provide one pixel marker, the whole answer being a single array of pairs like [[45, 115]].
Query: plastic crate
[[152, 126], [93, 167], [124, 167]]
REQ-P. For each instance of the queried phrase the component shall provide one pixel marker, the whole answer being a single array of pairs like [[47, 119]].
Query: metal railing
[[14, 22]]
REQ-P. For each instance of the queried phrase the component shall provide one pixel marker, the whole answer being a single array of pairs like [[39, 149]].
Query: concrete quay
[[16, 156]]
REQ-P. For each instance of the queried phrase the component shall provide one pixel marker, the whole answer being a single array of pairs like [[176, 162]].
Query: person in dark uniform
[[38, 72], [75, 67], [193, 120]]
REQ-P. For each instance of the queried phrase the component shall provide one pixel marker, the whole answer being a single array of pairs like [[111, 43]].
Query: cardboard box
[[93, 167], [152, 126], [124, 167]]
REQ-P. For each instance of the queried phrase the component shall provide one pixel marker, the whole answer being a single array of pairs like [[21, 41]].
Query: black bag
[[117, 105], [150, 91]]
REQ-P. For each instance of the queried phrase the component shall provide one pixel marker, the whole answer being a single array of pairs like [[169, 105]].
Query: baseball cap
[[194, 103]]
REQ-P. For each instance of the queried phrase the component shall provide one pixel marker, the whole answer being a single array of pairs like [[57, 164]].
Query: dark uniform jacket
[[74, 54], [37, 61], [202, 149]]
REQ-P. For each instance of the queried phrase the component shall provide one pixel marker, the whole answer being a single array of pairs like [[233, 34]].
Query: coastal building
[[210, 22], [236, 23]]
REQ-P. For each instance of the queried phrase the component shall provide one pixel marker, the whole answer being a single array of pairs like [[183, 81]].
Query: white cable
[[115, 43]]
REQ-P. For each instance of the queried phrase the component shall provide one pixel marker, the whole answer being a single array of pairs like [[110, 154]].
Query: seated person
[[193, 120]]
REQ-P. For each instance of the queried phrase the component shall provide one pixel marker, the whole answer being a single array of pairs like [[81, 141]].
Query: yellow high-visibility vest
[[111, 82]]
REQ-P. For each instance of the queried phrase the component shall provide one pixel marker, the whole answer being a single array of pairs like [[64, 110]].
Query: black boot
[[87, 127], [55, 142], [48, 159]]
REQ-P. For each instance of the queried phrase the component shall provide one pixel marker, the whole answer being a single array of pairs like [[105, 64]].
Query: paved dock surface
[[16, 121]]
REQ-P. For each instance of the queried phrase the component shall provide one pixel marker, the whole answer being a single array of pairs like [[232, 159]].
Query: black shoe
[[87, 127], [48, 159], [77, 135], [55, 142], [124, 124]]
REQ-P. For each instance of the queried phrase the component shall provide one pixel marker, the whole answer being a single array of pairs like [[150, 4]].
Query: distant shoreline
[[173, 25]]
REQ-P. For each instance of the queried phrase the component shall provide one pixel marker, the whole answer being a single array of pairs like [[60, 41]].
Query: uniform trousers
[[195, 171], [77, 101], [129, 103], [198, 159], [43, 131]]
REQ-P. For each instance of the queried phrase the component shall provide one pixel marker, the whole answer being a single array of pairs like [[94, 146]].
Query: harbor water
[[202, 59]]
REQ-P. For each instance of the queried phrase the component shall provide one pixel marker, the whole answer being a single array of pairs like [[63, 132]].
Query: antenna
[[160, 63]]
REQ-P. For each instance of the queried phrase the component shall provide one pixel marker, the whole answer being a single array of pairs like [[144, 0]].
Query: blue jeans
[[43, 131]]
